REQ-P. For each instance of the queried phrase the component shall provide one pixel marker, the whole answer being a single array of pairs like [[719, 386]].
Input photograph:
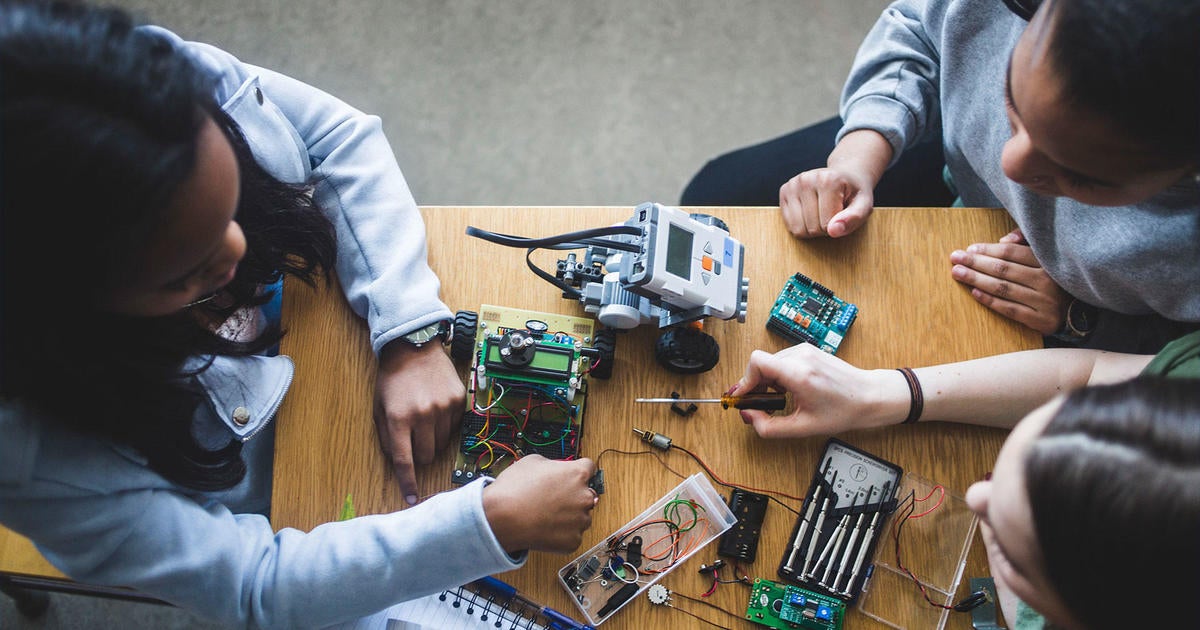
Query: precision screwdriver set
[[851, 496]]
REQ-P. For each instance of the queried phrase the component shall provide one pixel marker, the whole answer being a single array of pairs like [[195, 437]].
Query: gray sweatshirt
[[942, 63]]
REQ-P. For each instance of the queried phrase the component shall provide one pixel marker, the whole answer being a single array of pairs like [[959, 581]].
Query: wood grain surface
[[896, 269]]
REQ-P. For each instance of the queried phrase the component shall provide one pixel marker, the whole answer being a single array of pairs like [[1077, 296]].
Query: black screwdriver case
[[850, 490]]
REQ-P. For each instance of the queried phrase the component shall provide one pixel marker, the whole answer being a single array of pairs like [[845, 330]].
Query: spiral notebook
[[463, 608]]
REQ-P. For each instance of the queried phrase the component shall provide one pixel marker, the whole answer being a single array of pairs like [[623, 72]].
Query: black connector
[[618, 598]]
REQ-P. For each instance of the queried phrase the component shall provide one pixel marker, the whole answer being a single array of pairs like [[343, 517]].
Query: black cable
[[721, 482], [704, 467], [550, 241], [570, 240], [567, 289], [706, 603], [692, 614]]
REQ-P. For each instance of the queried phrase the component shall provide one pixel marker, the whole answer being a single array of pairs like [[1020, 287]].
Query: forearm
[[1000, 390]]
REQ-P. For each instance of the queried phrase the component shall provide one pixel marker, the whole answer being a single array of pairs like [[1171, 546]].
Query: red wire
[[941, 497], [896, 526], [716, 581], [734, 485]]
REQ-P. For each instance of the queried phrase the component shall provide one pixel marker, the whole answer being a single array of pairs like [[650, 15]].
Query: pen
[[557, 619]]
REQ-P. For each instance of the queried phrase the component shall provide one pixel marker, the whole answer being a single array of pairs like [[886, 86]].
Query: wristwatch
[[1079, 322], [443, 330]]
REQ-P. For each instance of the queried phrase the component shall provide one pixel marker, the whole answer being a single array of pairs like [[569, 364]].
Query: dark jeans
[[752, 176]]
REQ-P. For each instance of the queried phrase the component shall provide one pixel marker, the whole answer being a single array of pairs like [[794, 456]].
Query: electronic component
[[656, 440], [663, 266], [618, 599], [789, 607], [527, 387], [808, 312], [658, 594], [741, 542], [850, 496], [646, 548]]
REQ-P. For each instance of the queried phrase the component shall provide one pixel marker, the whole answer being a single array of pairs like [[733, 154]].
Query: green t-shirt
[[1179, 359]]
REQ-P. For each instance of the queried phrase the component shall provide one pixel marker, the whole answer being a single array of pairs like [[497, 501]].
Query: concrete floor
[[532, 102]]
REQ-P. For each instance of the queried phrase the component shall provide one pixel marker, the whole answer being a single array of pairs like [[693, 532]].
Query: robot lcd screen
[[679, 252]]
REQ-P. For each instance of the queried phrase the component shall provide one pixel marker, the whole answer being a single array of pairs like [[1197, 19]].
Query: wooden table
[[896, 269]]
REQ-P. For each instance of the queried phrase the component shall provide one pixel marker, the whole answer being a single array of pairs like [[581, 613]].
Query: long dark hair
[[1136, 64], [1114, 486], [98, 129]]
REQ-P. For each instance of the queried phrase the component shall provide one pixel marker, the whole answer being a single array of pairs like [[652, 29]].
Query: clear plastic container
[[934, 547], [604, 578]]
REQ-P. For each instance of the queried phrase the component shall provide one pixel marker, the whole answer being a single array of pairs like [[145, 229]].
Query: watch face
[[1081, 317], [423, 335]]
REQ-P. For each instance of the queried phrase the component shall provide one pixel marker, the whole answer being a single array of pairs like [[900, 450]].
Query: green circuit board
[[807, 312], [788, 607]]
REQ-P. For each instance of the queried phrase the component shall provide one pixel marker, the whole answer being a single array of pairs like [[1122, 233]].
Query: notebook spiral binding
[[508, 613]]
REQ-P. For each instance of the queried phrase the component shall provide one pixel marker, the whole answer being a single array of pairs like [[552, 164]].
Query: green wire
[[671, 512], [487, 439]]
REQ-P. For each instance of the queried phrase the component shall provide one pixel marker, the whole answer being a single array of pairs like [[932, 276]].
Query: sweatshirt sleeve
[[894, 84], [236, 570], [382, 260]]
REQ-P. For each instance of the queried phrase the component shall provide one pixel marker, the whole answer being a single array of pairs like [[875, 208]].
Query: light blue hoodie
[[99, 514]]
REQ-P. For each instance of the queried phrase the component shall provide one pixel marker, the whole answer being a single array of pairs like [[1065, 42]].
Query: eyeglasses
[[1023, 9]]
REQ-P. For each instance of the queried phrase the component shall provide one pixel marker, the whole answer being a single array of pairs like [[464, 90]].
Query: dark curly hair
[[98, 129]]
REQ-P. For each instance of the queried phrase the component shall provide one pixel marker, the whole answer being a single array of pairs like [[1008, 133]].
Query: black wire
[[902, 513], [702, 466], [561, 239], [706, 603], [570, 240], [692, 614], [709, 472], [545, 275]]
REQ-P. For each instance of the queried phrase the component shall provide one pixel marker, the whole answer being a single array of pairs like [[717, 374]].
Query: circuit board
[[808, 312], [526, 390], [789, 607]]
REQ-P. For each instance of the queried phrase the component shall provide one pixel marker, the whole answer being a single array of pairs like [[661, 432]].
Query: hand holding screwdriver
[[828, 395]]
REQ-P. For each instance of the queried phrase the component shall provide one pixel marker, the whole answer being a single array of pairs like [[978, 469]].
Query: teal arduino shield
[[808, 312]]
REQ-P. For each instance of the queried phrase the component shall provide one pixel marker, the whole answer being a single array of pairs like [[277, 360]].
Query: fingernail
[[411, 499], [987, 476], [732, 388], [745, 420], [957, 255], [958, 271], [975, 248]]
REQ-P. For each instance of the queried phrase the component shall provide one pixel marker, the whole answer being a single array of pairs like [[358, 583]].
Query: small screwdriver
[[765, 401]]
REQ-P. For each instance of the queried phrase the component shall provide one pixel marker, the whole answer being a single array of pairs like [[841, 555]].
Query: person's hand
[[828, 395], [541, 504], [418, 396], [838, 199], [826, 201], [1007, 278]]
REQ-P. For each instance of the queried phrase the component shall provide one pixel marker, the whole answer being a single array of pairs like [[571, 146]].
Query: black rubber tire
[[687, 351], [462, 347], [708, 219], [606, 344]]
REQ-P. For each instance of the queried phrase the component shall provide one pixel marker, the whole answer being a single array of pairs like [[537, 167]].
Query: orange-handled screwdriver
[[765, 401]]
